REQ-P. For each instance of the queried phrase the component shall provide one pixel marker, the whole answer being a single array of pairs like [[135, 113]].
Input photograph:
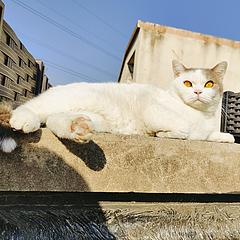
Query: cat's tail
[[7, 141]]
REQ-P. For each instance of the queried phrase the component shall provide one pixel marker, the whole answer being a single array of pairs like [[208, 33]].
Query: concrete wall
[[158, 46], [120, 163]]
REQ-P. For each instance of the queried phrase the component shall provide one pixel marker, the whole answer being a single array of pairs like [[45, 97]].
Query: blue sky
[[102, 28]]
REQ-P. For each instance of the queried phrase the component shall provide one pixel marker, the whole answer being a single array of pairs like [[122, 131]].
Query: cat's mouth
[[200, 99], [198, 102]]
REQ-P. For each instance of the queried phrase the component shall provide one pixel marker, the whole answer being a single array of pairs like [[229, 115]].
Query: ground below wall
[[123, 221], [117, 163]]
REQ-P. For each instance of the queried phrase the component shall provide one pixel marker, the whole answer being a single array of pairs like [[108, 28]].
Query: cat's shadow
[[23, 138], [92, 155]]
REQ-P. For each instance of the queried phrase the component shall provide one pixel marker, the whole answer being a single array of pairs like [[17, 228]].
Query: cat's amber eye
[[187, 83], [209, 84]]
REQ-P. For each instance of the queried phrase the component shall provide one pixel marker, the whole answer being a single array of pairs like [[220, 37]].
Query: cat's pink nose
[[197, 92]]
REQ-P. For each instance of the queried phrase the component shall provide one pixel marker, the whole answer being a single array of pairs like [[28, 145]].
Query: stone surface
[[111, 163], [173, 221], [125, 221]]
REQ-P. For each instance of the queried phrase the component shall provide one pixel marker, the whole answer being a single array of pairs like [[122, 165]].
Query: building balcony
[[6, 92], [9, 51]]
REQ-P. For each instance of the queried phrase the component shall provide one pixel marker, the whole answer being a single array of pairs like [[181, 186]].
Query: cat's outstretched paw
[[71, 126], [221, 137], [25, 120], [82, 128]]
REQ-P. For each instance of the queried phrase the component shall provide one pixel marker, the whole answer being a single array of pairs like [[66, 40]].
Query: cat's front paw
[[25, 120], [221, 137], [78, 128], [81, 128]]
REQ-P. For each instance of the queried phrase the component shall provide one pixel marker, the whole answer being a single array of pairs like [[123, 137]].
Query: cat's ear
[[219, 70], [178, 68]]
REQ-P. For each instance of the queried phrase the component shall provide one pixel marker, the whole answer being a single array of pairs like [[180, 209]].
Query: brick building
[[21, 75]]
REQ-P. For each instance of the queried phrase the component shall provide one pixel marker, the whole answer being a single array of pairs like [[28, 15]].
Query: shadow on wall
[[30, 168], [92, 155]]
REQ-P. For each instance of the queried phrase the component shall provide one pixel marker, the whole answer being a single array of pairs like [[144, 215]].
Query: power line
[[70, 71], [73, 58], [72, 22], [65, 29], [100, 19]]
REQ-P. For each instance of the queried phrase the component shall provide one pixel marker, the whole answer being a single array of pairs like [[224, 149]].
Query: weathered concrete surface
[[173, 221], [124, 221], [112, 163]]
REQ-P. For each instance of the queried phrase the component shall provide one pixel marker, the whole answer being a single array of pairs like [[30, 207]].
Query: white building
[[152, 47]]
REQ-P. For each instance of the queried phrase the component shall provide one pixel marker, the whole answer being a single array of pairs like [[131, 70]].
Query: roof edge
[[188, 33], [130, 43]]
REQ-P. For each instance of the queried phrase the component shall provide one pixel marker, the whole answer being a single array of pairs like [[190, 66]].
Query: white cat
[[187, 111]]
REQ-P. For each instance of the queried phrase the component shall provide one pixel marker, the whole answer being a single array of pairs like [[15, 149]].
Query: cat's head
[[200, 88]]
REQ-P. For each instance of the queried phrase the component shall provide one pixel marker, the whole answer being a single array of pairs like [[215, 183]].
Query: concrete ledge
[[111, 163]]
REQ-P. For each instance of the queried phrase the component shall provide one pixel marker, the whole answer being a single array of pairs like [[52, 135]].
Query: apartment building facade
[[21, 75]]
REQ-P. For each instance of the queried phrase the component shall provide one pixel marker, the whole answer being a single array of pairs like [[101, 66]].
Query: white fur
[[8, 145], [128, 109]]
